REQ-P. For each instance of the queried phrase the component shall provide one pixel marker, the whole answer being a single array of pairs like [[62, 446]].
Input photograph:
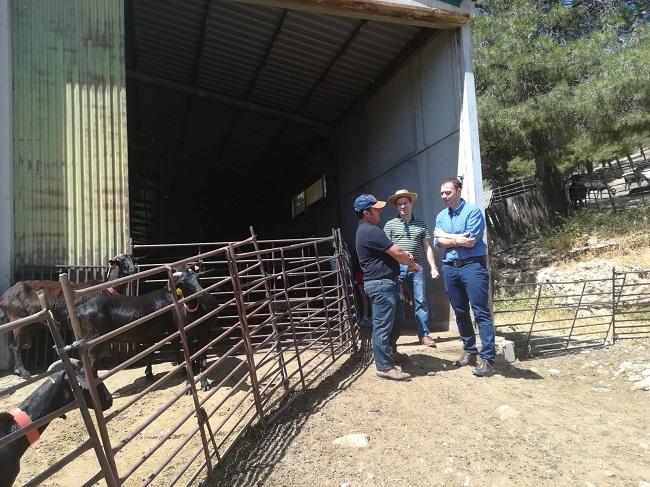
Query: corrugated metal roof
[[298, 62]]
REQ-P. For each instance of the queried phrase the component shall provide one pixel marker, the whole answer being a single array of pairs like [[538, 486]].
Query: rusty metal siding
[[70, 140]]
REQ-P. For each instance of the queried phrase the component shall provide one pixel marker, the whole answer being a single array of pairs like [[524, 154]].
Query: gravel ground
[[581, 425]]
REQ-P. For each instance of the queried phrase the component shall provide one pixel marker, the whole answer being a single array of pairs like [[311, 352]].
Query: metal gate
[[553, 317], [285, 313]]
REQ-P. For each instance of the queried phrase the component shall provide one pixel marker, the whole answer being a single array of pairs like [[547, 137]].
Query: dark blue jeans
[[382, 294], [415, 282], [469, 286]]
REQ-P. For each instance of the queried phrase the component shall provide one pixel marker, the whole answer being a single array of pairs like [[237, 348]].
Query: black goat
[[20, 300], [577, 189], [105, 313], [53, 394]]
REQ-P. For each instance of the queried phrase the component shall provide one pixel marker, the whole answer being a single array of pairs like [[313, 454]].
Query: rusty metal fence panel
[[631, 304], [40, 353], [283, 313], [63, 456], [554, 317]]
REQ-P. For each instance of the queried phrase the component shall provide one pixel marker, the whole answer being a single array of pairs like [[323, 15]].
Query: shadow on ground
[[257, 452]]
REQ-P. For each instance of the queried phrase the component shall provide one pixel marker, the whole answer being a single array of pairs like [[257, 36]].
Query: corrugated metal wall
[[70, 140]]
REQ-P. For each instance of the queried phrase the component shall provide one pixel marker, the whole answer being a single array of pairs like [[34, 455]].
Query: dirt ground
[[62, 435], [583, 427]]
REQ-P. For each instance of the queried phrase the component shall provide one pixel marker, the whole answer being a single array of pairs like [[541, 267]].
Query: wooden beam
[[423, 13], [229, 100]]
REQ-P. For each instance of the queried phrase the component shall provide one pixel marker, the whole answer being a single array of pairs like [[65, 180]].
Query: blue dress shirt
[[467, 218]]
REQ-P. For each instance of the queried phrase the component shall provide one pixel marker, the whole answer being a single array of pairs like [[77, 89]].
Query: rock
[[645, 373], [505, 350], [346, 484], [643, 483], [555, 373], [622, 368], [633, 378], [599, 389], [642, 385], [354, 440], [506, 412]]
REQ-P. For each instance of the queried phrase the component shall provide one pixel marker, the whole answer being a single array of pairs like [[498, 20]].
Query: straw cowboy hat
[[401, 193]]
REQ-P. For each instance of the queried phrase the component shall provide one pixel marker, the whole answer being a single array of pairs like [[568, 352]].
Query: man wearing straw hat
[[380, 259], [412, 235]]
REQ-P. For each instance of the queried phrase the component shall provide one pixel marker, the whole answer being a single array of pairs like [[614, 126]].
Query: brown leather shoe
[[466, 359], [393, 374], [427, 341]]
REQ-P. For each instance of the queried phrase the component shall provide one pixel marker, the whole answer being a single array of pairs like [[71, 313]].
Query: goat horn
[[81, 377], [54, 364]]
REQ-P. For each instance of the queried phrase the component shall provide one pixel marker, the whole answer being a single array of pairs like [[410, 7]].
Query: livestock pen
[[285, 314], [555, 317]]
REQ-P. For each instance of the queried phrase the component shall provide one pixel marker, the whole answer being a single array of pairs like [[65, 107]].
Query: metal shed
[[171, 121]]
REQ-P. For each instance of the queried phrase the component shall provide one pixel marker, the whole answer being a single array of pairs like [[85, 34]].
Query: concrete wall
[[407, 136]]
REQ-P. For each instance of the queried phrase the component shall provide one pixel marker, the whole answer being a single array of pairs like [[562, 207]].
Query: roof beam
[[229, 100], [434, 14]]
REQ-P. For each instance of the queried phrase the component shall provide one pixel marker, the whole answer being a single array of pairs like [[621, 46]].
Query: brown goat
[[20, 300]]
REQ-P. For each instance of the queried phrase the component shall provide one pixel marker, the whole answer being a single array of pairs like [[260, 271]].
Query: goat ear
[[6, 422]]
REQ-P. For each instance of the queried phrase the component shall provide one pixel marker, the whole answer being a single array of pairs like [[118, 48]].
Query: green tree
[[557, 85]]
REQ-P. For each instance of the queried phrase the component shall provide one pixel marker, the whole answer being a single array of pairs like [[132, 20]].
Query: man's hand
[[464, 241], [442, 234], [434, 273], [413, 267]]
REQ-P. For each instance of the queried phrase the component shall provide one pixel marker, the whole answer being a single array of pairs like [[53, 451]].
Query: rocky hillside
[[583, 248]]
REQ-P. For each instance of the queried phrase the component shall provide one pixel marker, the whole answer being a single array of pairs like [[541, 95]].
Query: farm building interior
[[242, 114], [189, 121]]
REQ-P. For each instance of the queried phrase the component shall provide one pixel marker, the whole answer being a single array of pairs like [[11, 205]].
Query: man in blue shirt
[[459, 230], [380, 259]]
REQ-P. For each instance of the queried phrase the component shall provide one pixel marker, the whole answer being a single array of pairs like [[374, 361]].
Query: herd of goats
[[98, 314], [581, 186]]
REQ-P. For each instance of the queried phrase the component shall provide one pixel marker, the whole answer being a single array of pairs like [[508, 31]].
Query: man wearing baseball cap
[[380, 259]]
